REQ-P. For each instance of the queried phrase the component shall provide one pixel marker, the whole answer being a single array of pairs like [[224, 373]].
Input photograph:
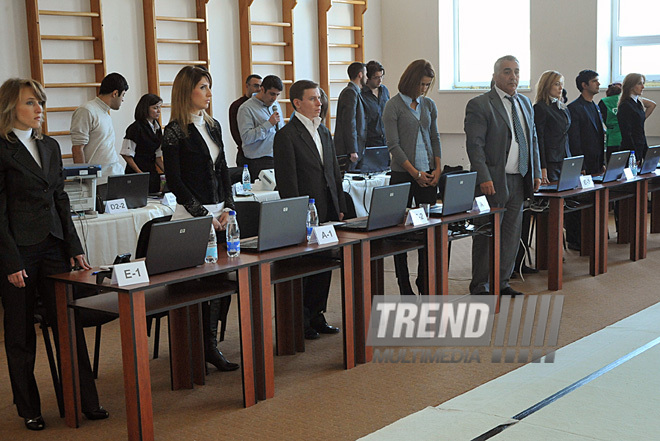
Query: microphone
[[277, 125]]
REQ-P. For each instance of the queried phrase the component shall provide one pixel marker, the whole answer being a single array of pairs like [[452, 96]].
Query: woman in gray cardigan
[[410, 120]]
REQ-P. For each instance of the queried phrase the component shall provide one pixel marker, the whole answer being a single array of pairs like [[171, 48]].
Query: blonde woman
[[552, 121], [196, 172], [37, 239], [633, 111]]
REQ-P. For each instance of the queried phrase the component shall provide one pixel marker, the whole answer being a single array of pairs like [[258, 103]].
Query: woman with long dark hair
[[196, 172], [411, 129], [37, 239], [141, 146]]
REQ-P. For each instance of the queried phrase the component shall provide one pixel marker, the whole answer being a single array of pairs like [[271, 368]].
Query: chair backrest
[[145, 231], [247, 216], [350, 207], [236, 175]]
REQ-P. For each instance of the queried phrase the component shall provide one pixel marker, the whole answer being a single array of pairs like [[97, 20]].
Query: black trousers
[[40, 260], [317, 287], [422, 195]]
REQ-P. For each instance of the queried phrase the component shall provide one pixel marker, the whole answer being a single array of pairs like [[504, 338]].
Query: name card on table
[[131, 273], [323, 235], [116, 206], [628, 173], [586, 181], [480, 204], [416, 216], [169, 199]]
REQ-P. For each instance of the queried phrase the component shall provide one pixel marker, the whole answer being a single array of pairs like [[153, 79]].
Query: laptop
[[458, 195], [375, 159], [569, 175], [177, 244], [281, 223], [134, 188], [388, 208], [650, 160], [618, 161]]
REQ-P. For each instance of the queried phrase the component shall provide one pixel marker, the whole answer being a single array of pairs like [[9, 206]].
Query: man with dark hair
[[503, 149], [259, 118], [252, 85], [374, 97], [92, 133], [306, 164], [586, 136], [350, 124]]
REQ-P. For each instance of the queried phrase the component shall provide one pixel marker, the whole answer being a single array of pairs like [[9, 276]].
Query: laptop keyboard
[[251, 243], [356, 225]]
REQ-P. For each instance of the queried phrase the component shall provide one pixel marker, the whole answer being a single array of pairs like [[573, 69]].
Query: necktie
[[523, 151]]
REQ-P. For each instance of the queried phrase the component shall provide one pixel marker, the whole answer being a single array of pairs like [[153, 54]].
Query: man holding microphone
[[259, 118]]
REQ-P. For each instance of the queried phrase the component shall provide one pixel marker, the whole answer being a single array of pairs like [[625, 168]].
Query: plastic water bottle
[[233, 236], [247, 181], [212, 247], [632, 163], [312, 218]]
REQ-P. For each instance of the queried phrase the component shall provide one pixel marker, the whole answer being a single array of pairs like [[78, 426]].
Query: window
[[482, 32], [635, 39]]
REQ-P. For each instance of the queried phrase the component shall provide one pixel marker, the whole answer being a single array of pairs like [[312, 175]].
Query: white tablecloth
[[259, 196], [107, 235], [361, 189]]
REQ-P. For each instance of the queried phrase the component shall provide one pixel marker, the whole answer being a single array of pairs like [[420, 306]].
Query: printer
[[80, 185]]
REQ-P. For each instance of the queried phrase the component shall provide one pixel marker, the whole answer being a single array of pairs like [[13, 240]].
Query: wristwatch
[[419, 174]]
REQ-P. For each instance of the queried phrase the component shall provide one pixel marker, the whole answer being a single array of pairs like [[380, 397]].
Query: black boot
[[211, 353], [217, 359]]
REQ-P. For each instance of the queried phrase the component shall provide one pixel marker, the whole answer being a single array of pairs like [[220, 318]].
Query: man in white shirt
[[306, 164], [259, 118], [92, 133]]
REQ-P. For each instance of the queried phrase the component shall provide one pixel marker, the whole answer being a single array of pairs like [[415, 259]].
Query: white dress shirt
[[312, 127]]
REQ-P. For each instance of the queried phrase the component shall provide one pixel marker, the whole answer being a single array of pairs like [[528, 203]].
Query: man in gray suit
[[351, 125], [503, 150]]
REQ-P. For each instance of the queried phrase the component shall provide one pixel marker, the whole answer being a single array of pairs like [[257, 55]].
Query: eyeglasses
[[377, 77]]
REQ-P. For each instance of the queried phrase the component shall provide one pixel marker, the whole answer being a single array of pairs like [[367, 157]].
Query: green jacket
[[613, 135]]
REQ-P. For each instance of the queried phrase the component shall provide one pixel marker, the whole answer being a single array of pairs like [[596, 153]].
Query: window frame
[[618, 43], [458, 85]]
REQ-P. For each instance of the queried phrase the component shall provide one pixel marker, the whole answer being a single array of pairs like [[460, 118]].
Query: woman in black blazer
[[196, 172], [141, 146], [552, 121], [633, 111], [37, 239]]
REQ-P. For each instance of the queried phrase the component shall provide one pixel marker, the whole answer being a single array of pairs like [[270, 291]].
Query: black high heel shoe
[[97, 414], [37, 423], [218, 360]]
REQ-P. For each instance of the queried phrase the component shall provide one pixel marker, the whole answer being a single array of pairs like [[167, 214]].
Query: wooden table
[[285, 268], [633, 215], [374, 246], [132, 304], [550, 233]]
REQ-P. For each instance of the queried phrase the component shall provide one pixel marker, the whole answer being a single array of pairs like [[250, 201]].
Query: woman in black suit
[[633, 111], [552, 121], [141, 146], [37, 239], [196, 172]]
